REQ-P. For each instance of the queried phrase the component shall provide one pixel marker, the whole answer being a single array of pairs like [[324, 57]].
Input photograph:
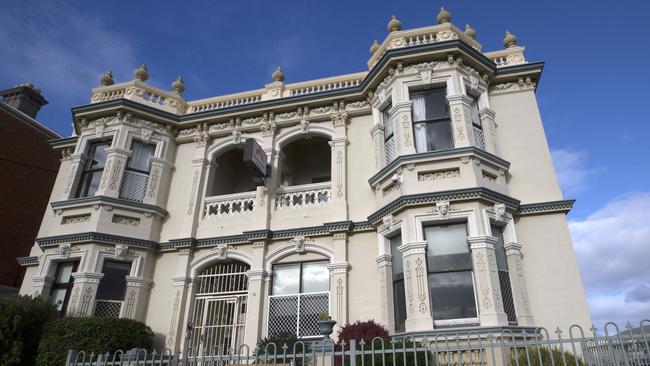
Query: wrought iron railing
[[134, 186], [306, 195], [229, 205], [297, 314], [108, 308]]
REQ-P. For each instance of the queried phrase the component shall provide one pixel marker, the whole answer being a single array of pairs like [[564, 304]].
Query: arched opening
[[219, 309], [231, 174], [306, 161]]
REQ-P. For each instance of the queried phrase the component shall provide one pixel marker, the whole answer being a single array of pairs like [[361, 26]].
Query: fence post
[[72, 354], [353, 352]]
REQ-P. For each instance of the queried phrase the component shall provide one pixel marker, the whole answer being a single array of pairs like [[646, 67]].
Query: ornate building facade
[[419, 193]]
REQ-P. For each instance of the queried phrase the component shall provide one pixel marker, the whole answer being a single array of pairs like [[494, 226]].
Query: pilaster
[[201, 170], [180, 300], [461, 126], [489, 130], [339, 293], [377, 134], [256, 294], [491, 312], [400, 117], [418, 314], [116, 158], [136, 298], [84, 290], [384, 266], [158, 183], [43, 286], [518, 284], [75, 164], [339, 179]]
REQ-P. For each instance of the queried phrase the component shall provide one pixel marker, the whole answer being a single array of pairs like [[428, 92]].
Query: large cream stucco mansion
[[419, 193]]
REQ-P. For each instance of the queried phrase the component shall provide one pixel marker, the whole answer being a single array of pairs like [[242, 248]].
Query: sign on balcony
[[255, 157]]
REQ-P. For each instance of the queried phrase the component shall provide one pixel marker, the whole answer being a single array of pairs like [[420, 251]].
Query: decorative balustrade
[[323, 85], [420, 36], [307, 195], [225, 101], [510, 56], [141, 92], [229, 205], [134, 186]]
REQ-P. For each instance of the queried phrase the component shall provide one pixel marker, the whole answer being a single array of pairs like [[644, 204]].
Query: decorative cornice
[[430, 198], [563, 206], [53, 241], [338, 226], [110, 201], [63, 142], [27, 261]]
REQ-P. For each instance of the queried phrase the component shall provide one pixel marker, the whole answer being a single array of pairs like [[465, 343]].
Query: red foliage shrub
[[359, 330]]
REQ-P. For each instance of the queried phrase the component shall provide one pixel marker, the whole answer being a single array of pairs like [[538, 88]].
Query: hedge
[[22, 319], [98, 335]]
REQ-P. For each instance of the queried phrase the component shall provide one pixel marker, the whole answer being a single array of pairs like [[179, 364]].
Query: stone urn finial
[[278, 75], [443, 16], [107, 78], [509, 40], [470, 32], [374, 47], [178, 86], [394, 24], [141, 73]]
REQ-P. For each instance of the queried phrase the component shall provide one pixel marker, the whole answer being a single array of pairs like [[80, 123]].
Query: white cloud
[[61, 50], [613, 249], [571, 169]]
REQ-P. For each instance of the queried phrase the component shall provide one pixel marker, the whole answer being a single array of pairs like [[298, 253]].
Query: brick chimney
[[25, 98]]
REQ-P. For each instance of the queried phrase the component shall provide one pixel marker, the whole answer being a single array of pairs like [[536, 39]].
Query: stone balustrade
[[225, 101], [510, 56], [306, 195], [139, 91], [327, 84], [235, 204]]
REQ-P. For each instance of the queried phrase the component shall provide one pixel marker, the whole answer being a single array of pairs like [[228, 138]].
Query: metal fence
[[520, 346]]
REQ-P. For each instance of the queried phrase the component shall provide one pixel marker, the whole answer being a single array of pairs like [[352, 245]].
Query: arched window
[[306, 161], [231, 175]]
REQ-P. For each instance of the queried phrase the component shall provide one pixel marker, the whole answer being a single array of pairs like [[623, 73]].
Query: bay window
[[299, 295], [136, 174], [431, 122], [504, 275], [111, 289], [93, 169], [399, 301], [449, 266], [63, 282]]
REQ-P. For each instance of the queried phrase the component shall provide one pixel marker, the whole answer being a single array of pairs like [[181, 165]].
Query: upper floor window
[[431, 122], [389, 135], [306, 161], [231, 175], [299, 295], [136, 174], [475, 117], [451, 285], [93, 169], [62, 286]]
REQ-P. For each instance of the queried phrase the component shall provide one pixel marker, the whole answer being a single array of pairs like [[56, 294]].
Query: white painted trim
[[199, 263], [290, 248], [292, 134]]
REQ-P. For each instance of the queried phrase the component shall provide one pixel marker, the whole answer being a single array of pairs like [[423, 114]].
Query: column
[[201, 169], [256, 295], [488, 290], [518, 284], [135, 298], [400, 117], [418, 315], [75, 164], [461, 126], [116, 158], [181, 297], [489, 130], [338, 145], [339, 281], [377, 134], [158, 183], [385, 267], [84, 290]]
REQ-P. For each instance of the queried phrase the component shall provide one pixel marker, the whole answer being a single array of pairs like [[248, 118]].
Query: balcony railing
[[108, 308], [306, 195], [134, 186], [235, 204], [297, 314]]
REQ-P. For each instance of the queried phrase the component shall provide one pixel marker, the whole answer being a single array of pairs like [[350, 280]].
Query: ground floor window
[[62, 286], [504, 275], [111, 289], [449, 270], [299, 295], [399, 301]]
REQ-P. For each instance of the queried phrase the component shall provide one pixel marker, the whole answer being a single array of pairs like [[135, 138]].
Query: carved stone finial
[[107, 78], [394, 24], [470, 32], [178, 86], [443, 16], [509, 40], [374, 47], [278, 75], [141, 73]]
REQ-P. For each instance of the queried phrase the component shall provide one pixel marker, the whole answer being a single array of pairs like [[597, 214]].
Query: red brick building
[[28, 167]]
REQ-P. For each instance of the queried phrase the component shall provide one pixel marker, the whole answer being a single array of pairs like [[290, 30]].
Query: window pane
[[398, 262], [64, 271], [473, 112], [58, 298], [140, 155], [447, 248], [452, 295], [286, 279], [499, 249], [97, 154], [315, 277], [92, 180], [433, 136], [428, 105], [399, 303], [388, 127], [113, 285]]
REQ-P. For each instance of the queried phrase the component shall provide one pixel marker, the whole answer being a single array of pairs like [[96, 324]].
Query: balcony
[[297, 314], [305, 195], [236, 204]]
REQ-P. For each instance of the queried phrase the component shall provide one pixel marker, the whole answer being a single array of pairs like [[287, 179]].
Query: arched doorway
[[219, 310]]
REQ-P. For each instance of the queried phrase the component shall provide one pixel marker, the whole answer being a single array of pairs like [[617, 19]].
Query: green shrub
[[98, 335], [535, 353], [22, 319]]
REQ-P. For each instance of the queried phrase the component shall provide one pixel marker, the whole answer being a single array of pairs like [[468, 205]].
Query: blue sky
[[593, 93]]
